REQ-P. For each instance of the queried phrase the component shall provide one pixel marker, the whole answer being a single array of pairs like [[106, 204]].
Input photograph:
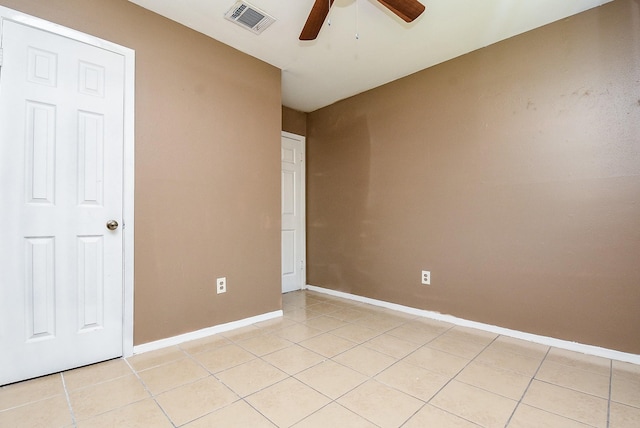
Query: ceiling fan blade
[[316, 18], [408, 10]]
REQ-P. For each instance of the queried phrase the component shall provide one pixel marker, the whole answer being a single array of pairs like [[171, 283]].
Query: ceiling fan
[[408, 10]]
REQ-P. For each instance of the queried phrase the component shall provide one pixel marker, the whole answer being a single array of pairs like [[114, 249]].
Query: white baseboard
[[544, 340], [205, 332]]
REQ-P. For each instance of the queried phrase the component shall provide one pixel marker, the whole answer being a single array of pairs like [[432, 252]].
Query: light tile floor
[[334, 362]]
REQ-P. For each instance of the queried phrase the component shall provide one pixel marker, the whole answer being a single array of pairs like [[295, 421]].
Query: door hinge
[[0, 57], [301, 264]]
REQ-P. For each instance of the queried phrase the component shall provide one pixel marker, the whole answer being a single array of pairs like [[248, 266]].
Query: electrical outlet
[[426, 277], [221, 285]]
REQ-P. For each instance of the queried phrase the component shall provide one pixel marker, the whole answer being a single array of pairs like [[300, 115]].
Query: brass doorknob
[[112, 225]]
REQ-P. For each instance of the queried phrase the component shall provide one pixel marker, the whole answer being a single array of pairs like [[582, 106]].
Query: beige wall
[[512, 173], [294, 121], [207, 185]]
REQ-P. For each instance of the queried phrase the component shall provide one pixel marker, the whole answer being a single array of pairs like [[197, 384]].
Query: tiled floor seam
[[280, 381], [66, 394], [213, 375], [203, 416], [425, 403], [451, 378], [289, 376], [33, 401], [331, 400], [414, 413], [339, 397], [537, 366], [559, 386], [257, 410], [151, 395], [571, 389], [524, 393], [443, 410], [562, 416], [311, 414]]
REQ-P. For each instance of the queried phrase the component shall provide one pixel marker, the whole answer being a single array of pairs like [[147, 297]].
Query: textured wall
[[294, 121], [512, 173], [207, 186]]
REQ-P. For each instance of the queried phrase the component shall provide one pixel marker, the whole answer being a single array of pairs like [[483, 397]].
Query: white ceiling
[[337, 65]]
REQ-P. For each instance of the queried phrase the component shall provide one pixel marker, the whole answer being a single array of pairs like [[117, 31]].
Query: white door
[[293, 213], [61, 181]]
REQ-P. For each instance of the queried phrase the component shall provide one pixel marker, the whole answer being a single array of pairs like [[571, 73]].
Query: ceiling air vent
[[250, 17]]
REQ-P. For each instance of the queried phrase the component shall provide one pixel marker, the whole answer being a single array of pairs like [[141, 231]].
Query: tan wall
[[207, 186], [512, 173], [294, 121]]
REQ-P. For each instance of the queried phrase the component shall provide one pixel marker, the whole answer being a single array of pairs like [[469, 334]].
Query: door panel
[[289, 253], [61, 175], [40, 309], [90, 283], [39, 159], [293, 251]]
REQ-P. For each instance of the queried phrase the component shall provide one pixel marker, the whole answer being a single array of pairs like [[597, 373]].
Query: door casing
[[128, 155]]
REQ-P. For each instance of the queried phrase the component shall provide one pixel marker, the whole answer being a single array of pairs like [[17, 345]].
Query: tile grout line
[[413, 414], [532, 377], [356, 344], [370, 377], [332, 331], [289, 376], [458, 372], [335, 400], [213, 375], [66, 393], [153, 397], [589, 394], [426, 403], [257, 410], [451, 378], [240, 398], [293, 376], [528, 386], [559, 386]]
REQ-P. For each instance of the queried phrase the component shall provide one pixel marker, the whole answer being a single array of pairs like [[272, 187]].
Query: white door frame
[[129, 151], [303, 215]]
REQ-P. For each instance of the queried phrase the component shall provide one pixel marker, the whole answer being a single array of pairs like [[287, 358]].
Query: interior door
[[293, 221], [61, 181]]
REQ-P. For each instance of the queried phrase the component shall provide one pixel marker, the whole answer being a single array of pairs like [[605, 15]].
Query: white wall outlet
[[426, 277], [221, 285]]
